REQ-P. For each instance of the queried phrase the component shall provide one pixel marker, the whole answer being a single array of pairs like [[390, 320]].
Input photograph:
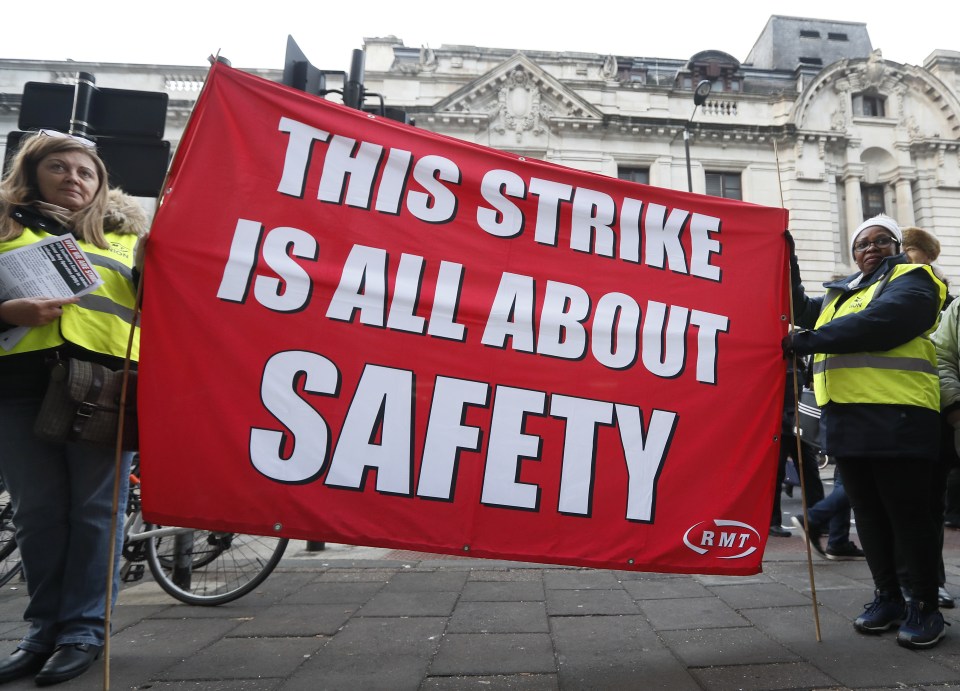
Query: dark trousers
[[832, 514], [891, 501], [811, 474]]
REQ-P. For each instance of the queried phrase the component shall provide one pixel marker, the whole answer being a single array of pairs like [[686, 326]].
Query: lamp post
[[699, 98]]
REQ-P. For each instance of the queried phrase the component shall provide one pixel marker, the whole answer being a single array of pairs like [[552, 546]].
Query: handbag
[[809, 427], [82, 404]]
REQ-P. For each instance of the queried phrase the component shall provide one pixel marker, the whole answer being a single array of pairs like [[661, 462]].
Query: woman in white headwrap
[[875, 378]]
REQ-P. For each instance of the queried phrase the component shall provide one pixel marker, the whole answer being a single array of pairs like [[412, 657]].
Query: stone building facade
[[814, 119]]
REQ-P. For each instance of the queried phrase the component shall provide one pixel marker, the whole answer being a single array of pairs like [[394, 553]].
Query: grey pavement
[[372, 618]]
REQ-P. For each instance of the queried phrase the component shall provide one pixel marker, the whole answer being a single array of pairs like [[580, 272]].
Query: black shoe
[[788, 490], [813, 535], [952, 521], [944, 599], [886, 611], [923, 628], [847, 552], [68, 661], [20, 663], [780, 531]]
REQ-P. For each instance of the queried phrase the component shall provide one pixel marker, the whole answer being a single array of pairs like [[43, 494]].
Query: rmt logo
[[722, 539]]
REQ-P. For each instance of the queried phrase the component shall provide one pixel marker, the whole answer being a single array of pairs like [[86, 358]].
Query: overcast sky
[[177, 32]]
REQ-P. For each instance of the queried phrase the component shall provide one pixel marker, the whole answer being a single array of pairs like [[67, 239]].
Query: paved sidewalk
[[367, 618]]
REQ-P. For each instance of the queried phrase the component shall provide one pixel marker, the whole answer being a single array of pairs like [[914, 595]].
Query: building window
[[836, 37], [725, 185], [872, 200], [811, 61], [869, 105], [641, 175], [808, 33]]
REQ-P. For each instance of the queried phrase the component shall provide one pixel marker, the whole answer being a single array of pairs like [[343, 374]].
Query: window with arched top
[[720, 69], [870, 105]]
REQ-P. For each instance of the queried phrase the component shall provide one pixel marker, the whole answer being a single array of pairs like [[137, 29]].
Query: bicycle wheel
[[201, 554], [10, 564], [201, 567]]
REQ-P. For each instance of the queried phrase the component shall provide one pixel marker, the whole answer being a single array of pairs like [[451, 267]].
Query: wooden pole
[[796, 421]]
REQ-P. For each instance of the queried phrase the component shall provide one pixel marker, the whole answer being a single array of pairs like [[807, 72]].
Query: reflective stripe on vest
[[904, 375], [101, 320]]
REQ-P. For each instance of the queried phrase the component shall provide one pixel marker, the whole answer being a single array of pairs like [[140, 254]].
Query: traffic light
[[299, 73], [127, 126]]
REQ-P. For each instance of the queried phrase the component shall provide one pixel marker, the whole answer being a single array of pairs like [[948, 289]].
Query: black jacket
[[904, 309]]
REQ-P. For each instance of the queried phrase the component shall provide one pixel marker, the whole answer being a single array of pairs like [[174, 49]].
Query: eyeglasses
[[880, 243], [63, 135]]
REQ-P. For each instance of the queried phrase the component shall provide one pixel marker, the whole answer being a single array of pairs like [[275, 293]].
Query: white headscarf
[[883, 222]]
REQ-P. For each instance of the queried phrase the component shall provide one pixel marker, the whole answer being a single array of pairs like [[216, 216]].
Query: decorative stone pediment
[[916, 100], [519, 97]]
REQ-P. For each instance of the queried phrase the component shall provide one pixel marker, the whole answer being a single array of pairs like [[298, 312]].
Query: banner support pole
[[796, 419]]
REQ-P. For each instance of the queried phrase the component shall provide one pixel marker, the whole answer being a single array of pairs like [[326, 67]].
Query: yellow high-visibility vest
[[905, 375], [101, 320]]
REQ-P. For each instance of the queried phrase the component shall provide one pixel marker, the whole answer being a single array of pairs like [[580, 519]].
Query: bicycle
[[10, 565], [197, 567]]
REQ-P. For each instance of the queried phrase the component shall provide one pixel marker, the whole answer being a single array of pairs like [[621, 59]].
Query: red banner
[[360, 332]]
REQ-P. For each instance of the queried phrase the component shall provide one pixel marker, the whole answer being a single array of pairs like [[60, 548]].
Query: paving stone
[[275, 588], [513, 575], [713, 579], [355, 575], [501, 591], [333, 593], [852, 659], [426, 582], [665, 589], [515, 682], [718, 647], [296, 620], [764, 677], [494, 653], [410, 604], [759, 595], [147, 649], [209, 685], [696, 613], [584, 602], [618, 652], [580, 579], [246, 658], [624, 576], [499, 617], [388, 654]]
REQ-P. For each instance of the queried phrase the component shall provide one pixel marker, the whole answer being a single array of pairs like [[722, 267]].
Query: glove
[[795, 279], [787, 346], [791, 245], [791, 344]]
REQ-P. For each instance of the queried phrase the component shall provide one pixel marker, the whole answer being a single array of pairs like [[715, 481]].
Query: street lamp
[[699, 98]]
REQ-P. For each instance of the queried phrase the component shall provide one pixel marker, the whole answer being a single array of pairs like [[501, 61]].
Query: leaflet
[[55, 267]]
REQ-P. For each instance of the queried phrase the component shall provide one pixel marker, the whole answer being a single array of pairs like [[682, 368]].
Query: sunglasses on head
[[63, 135]]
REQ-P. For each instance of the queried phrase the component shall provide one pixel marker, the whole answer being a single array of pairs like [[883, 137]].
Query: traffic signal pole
[[82, 104]]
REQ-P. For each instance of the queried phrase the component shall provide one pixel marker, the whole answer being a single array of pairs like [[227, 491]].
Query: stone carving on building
[[913, 127], [519, 108], [838, 118], [428, 59], [426, 62], [609, 68], [875, 69]]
